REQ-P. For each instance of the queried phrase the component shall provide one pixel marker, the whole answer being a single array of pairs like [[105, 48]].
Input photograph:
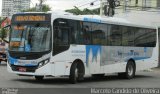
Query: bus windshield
[[30, 37]]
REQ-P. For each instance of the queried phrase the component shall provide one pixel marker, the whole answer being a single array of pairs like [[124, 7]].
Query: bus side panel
[[148, 63], [62, 62], [111, 59], [79, 52], [45, 70], [104, 59], [115, 58]]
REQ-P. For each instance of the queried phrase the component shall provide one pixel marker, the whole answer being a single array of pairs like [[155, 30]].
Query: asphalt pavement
[[144, 79], [14, 84]]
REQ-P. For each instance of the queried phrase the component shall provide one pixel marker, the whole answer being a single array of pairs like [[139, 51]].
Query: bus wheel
[[74, 73], [130, 71], [39, 78]]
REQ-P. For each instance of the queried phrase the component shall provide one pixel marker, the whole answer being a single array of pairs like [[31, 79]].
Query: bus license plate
[[22, 69]]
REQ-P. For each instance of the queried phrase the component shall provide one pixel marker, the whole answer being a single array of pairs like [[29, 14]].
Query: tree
[[41, 4], [85, 11], [45, 8], [3, 33], [75, 11]]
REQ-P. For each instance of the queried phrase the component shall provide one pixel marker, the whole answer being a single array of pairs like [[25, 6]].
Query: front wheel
[[73, 74], [39, 78]]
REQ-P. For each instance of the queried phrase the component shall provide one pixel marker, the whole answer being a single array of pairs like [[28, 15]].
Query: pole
[[111, 9], [124, 5], [40, 5], [101, 8]]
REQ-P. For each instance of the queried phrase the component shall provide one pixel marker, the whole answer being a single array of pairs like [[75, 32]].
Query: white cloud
[[60, 4], [0, 6], [65, 4]]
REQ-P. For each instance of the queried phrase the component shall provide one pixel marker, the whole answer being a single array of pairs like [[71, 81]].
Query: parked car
[[3, 56]]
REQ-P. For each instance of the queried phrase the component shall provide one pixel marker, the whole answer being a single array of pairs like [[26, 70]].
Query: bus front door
[[61, 39]]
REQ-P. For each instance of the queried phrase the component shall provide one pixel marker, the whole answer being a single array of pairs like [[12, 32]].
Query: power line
[[94, 5], [87, 3]]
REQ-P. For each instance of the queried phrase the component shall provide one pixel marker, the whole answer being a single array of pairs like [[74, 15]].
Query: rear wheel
[[39, 78], [130, 71]]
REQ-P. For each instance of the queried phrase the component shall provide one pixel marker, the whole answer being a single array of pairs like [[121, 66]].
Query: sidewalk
[[156, 69], [152, 70]]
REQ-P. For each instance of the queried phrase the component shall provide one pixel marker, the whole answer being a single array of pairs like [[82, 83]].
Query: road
[[145, 79], [28, 85]]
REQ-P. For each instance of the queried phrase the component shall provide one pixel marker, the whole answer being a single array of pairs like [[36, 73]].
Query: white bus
[[62, 44]]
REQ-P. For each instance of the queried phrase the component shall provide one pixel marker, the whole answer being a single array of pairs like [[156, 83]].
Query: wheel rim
[[130, 70], [76, 73]]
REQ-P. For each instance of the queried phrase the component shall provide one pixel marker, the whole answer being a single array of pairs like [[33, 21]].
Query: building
[[9, 7], [129, 5]]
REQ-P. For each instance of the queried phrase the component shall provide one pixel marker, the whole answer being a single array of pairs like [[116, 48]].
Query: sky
[[63, 4]]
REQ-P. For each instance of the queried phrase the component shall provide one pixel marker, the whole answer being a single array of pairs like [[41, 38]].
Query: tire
[[39, 78], [130, 71], [98, 75], [73, 73]]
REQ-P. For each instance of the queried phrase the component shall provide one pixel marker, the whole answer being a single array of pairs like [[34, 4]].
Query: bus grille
[[27, 68]]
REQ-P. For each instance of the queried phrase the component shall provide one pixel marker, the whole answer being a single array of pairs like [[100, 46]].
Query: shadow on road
[[3, 65], [65, 80]]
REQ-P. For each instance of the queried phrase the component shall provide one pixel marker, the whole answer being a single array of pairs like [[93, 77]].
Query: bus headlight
[[42, 63]]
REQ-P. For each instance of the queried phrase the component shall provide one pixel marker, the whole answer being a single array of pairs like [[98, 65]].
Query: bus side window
[[62, 36]]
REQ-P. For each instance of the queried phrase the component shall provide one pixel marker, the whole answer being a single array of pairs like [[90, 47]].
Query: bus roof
[[93, 18], [99, 19]]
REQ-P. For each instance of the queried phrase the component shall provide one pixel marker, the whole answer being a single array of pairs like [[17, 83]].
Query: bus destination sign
[[30, 18]]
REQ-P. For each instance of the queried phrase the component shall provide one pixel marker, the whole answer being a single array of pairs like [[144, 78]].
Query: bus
[[65, 45]]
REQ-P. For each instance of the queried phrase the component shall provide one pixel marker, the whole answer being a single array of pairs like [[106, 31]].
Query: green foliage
[[30, 10], [46, 8], [3, 33], [0, 21], [85, 11]]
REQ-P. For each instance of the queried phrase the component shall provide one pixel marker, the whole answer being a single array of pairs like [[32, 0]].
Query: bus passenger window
[[86, 35], [62, 36]]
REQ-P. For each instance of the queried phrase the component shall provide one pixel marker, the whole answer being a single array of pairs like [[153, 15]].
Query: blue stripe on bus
[[30, 65], [91, 20], [13, 61], [138, 58]]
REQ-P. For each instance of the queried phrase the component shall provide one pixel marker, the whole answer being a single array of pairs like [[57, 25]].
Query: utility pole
[[101, 8], [111, 8], [41, 4], [106, 9], [136, 3], [124, 5]]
